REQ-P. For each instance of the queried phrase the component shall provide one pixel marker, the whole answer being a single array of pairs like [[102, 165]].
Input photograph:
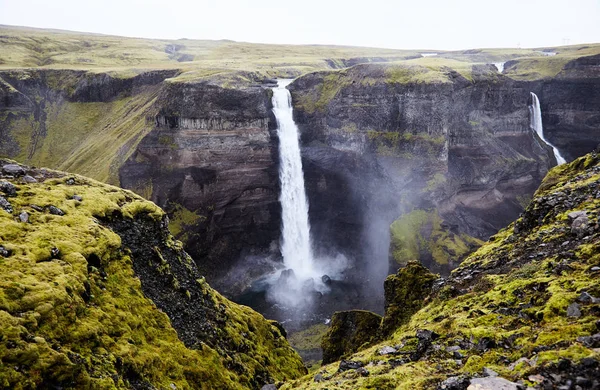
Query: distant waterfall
[[499, 66], [536, 125], [296, 242]]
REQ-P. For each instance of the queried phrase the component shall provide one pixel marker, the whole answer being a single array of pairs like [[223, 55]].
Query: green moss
[[404, 295], [181, 220], [419, 234], [349, 332], [84, 138], [63, 322]]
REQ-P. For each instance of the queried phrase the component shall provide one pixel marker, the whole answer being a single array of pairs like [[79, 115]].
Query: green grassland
[[28, 47], [56, 49]]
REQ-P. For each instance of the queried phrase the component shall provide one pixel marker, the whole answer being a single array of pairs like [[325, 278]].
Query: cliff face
[[450, 153], [95, 292], [570, 107], [211, 161], [79, 121]]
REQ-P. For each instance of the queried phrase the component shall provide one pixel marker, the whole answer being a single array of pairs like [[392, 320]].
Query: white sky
[[402, 24]]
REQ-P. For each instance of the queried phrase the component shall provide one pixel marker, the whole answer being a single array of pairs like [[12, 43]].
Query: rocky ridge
[[522, 311], [95, 292]]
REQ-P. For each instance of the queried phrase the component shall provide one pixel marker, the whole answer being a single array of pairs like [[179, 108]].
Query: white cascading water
[[536, 125], [296, 243], [499, 66]]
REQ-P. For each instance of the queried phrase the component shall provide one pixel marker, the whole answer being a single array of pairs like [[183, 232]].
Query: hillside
[[523, 308], [96, 293]]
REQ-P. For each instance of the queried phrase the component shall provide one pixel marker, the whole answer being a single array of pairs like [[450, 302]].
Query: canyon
[[405, 157]]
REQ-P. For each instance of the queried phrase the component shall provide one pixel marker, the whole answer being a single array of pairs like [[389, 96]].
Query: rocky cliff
[[445, 156], [95, 292], [211, 161], [521, 311]]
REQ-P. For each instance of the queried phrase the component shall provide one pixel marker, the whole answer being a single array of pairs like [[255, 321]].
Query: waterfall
[[536, 125], [499, 66], [296, 243]]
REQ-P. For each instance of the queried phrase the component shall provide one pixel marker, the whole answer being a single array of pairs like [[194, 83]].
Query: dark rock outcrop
[[349, 331], [405, 294]]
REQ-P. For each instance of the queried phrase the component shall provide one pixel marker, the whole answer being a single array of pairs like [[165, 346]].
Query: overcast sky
[[424, 24]]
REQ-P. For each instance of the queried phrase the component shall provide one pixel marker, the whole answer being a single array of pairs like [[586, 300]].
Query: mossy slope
[[75, 310], [519, 305]]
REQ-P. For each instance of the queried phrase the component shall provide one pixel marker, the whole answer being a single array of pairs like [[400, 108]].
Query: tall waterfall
[[296, 243], [536, 125]]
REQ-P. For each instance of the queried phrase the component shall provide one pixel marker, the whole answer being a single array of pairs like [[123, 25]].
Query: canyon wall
[[211, 161], [440, 159], [445, 157]]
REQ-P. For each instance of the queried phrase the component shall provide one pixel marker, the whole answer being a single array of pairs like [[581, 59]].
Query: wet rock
[[576, 214], [454, 383], [55, 210], [387, 350], [270, 386], [8, 188], [5, 205], [595, 269], [13, 170], [54, 253], [580, 224], [24, 217], [362, 371], [29, 179], [70, 181], [573, 310], [318, 378], [349, 330], [346, 365], [77, 198], [326, 279], [485, 343], [492, 383]]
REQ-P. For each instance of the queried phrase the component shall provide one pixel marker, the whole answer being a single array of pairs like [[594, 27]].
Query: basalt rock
[[405, 294], [348, 332], [457, 148], [211, 162]]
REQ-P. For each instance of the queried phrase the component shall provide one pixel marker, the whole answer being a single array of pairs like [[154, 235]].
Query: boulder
[[13, 170], [492, 383], [405, 293], [349, 331]]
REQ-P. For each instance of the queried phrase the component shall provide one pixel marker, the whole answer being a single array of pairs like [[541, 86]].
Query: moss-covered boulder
[[96, 293], [405, 294], [349, 331]]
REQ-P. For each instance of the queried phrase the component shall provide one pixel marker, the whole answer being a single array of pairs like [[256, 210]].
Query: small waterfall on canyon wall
[[536, 125], [295, 243]]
